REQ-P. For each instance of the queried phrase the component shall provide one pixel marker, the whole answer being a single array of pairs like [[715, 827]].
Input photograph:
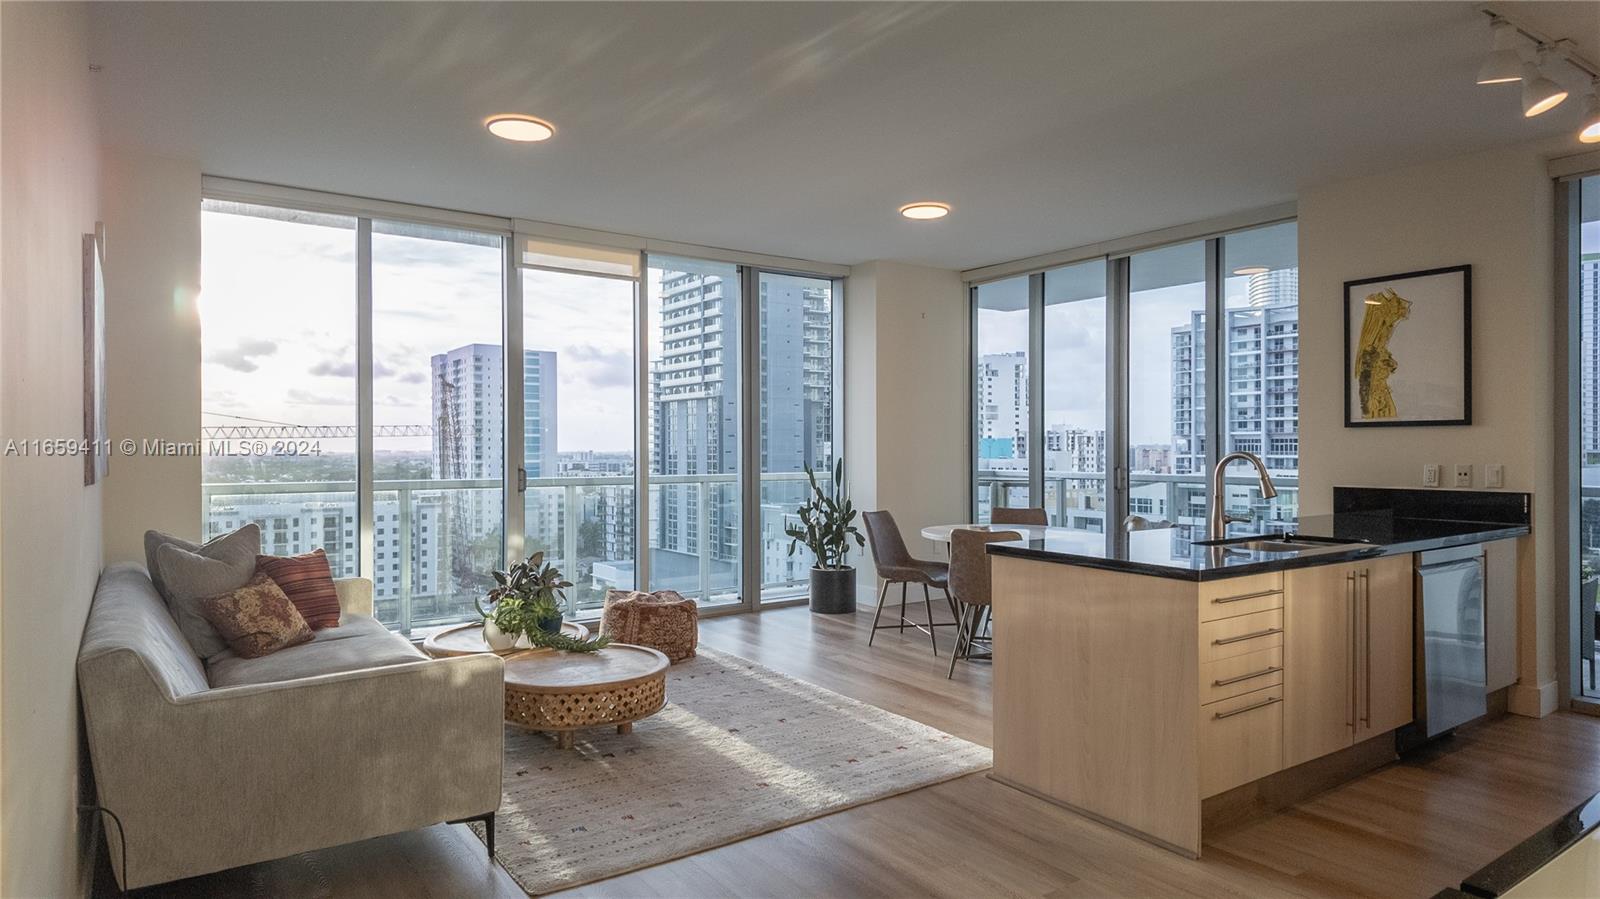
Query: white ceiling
[[798, 129]]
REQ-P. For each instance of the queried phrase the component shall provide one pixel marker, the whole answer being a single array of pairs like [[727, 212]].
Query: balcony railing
[[1068, 491]]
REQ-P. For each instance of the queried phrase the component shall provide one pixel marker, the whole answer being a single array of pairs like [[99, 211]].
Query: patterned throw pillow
[[308, 581], [257, 619]]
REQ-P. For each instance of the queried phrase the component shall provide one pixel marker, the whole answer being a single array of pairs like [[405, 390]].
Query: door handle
[[1224, 641], [1350, 662], [1366, 646]]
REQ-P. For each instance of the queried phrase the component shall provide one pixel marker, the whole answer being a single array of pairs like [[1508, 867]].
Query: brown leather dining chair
[[1024, 516], [896, 565], [971, 588]]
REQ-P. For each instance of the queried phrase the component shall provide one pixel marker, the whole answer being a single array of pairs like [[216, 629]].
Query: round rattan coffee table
[[467, 639], [566, 691]]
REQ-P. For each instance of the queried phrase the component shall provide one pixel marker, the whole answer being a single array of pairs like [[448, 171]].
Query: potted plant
[[525, 600], [827, 525]]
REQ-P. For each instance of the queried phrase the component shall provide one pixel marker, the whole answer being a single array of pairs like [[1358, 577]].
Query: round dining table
[[940, 533]]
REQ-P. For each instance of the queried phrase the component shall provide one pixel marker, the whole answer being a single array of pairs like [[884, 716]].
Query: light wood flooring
[[1408, 829]]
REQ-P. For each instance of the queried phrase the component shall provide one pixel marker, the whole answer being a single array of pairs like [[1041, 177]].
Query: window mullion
[[364, 418]]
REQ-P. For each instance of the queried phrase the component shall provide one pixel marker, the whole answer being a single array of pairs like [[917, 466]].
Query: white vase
[[498, 640]]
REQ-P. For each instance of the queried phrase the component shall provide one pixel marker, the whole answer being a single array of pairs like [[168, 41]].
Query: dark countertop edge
[[1505, 872], [1489, 533]]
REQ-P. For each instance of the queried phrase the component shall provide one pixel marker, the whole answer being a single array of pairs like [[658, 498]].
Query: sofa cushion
[[308, 582], [257, 619], [220, 566], [359, 642]]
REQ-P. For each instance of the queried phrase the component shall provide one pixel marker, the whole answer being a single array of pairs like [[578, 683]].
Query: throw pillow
[[257, 619], [222, 565], [308, 581], [153, 541]]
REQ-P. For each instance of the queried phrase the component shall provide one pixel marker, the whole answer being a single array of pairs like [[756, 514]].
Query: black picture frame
[[1466, 349]]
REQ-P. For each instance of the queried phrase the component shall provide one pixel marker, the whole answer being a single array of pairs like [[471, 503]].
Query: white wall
[[152, 216], [49, 522], [1494, 211], [906, 411]]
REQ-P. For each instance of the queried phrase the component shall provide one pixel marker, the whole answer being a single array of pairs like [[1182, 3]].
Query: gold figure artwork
[[1374, 362]]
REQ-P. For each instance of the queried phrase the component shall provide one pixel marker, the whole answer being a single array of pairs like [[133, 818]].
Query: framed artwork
[[97, 460], [1408, 349]]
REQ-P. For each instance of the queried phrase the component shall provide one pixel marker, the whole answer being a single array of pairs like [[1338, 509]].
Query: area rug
[[738, 750]]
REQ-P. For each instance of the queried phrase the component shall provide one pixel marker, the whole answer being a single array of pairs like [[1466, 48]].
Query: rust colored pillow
[[257, 619], [308, 581]]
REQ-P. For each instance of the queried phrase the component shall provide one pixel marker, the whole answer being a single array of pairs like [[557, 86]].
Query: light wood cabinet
[[1241, 739], [1347, 654]]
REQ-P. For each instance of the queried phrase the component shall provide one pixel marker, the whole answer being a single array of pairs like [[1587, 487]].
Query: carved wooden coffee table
[[566, 691], [467, 639]]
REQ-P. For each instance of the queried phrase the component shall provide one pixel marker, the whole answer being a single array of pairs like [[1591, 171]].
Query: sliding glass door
[[1075, 396], [1000, 392], [1167, 385], [1585, 220]]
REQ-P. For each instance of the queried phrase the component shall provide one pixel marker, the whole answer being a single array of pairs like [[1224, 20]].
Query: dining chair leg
[[927, 603], [961, 632], [883, 595], [903, 586]]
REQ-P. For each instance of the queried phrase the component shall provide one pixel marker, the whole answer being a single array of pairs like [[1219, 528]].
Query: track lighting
[[1590, 125], [1539, 93], [1504, 63]]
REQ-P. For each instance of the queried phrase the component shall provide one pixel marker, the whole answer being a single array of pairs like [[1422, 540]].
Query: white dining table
[[940, 533]]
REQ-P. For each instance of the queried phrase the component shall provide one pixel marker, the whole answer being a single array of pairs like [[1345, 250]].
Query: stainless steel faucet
[[1219, 511]]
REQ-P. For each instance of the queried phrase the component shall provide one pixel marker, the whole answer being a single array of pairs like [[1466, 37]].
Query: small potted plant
[[827, 525], [525, 600]]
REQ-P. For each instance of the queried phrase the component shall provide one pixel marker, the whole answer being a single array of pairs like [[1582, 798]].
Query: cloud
[[300, 397], [241, 356], [346, 368], [595, 366]]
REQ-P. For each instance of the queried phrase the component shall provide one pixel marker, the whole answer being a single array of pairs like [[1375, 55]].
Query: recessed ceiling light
[[1251, 270], [522, 128], [925, 210]]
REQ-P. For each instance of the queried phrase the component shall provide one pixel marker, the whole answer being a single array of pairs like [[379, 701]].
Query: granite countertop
[[1168, 553]]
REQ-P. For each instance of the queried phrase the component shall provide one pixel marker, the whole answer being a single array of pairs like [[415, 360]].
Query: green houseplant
[[826, 528], [526, 602]]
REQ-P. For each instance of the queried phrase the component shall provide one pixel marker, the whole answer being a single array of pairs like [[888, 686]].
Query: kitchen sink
[[1286, 543]]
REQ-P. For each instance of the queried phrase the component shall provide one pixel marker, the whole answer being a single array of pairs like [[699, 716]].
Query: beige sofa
[[213, 765]]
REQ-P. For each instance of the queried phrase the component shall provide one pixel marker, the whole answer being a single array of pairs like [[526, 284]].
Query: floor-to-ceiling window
[[1074, 366], [1000, 394], [1586, 261], [1205, 334], [797, 416], [278, 380]]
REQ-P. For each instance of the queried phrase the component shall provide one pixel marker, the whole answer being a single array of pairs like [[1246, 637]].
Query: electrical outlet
[[1494, 475], [1430, 475], [1463, 475]]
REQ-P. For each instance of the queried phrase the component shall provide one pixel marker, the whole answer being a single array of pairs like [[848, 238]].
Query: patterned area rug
[[739, 750]]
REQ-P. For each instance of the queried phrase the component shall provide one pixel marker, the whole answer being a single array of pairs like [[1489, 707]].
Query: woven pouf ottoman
[[663, 621]]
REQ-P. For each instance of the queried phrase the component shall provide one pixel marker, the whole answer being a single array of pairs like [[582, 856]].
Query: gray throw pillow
[[153, 541], [191, 575]]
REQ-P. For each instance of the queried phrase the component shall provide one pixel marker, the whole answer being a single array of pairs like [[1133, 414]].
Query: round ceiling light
[[1251, 270], [925, 211], [520, 128]]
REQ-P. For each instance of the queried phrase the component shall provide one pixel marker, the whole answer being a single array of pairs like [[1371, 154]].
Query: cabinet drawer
[[1243, 596], [1240, 635], [1241, 739], [1241, 674]]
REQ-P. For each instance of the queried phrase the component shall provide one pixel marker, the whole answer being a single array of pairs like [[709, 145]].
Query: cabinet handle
[[1366, 645], [1224, 641], [1249, 708], [1233, 680], [1226, 599], [1350, 662]]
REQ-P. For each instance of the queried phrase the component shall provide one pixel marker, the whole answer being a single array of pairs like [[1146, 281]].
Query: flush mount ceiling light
[[1504, 63], [925, 210], [1539, 93], [1251, 270], [1591, 116], [520, 128]]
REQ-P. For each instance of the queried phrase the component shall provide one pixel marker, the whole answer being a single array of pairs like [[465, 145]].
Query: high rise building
[[1589, 351], [1003, 406]]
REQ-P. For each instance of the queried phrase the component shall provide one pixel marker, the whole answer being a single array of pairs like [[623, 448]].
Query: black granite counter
[[1170, 553]]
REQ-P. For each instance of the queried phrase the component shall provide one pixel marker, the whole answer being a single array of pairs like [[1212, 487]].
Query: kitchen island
[[1134, 681]]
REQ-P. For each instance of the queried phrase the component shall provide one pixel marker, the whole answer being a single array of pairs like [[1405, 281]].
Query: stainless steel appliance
[[1451, 676]]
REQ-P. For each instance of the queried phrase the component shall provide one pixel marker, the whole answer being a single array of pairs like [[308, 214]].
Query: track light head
[[1504, 63], [1589, 131], [1539, 93]]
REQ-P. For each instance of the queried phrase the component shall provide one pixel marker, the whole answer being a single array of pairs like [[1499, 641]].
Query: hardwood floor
[[1405, 830]]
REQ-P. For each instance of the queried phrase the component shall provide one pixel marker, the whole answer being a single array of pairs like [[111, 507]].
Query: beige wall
[[49, 522], [152, 215], [906, 415], [1491, 210]]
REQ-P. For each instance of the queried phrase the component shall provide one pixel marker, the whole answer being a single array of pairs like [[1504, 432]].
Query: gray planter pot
[[833, 590]]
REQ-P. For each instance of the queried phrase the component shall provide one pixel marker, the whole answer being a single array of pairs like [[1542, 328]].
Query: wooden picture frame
[[1408, 349]]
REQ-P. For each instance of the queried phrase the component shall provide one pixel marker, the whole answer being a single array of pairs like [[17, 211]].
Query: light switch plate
[[1463, 475], [1430, 475], [1494, 475]]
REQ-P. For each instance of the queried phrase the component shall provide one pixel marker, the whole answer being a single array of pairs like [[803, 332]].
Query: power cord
[[122, 843]]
